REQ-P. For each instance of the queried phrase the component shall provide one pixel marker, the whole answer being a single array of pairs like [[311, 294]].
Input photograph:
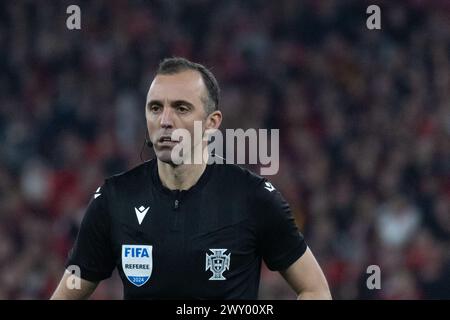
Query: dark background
[[364, 119]]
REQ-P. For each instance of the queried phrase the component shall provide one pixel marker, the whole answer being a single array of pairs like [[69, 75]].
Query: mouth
[[167, 140]]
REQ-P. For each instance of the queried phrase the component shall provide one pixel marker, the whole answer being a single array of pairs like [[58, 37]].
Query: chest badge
[[137, 263], [217, 263]]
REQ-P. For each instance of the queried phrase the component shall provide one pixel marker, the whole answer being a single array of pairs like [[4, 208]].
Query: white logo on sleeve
[[217, 263], [137, 263], [269, 186], [140, 213], [97, 193]]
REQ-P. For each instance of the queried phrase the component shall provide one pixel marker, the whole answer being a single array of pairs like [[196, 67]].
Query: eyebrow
[[172, 103]]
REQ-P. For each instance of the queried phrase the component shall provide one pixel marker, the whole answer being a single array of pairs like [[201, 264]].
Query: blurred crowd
[[364, 119]]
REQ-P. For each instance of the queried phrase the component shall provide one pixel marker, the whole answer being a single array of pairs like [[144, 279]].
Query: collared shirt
[[203, 243]]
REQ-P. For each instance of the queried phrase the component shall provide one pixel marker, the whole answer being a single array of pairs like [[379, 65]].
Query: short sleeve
[[279, 241], [92, 251]]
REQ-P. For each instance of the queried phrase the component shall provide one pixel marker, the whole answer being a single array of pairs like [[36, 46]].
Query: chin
[[164, 156]]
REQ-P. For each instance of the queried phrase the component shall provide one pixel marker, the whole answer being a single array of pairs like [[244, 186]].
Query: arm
[[64, 292], [91, 253], [307, 279], [283, 247]]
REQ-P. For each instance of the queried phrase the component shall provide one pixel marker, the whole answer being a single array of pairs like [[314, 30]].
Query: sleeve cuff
[[87, 274], [287, 259]]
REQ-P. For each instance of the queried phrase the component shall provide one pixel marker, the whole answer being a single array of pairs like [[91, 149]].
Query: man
[[194, 231]]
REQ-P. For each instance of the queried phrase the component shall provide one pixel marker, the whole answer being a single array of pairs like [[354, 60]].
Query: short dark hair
[[177, 64]]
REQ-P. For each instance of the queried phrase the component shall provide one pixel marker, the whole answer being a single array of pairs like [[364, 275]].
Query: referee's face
[[174, 101]]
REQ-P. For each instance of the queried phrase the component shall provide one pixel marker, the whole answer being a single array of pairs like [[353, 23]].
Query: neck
[[181, 177]]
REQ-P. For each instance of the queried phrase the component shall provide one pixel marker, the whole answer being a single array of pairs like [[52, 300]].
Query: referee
[[188, 231]]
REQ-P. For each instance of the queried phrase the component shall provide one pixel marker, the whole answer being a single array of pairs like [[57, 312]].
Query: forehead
[[185, 85]]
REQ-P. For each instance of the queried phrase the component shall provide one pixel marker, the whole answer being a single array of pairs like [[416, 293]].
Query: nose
[[166, 118]]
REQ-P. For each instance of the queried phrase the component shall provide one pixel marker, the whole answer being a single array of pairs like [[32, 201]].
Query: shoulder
[[255, 186], [135, 177], [261, 193], [239, 175]]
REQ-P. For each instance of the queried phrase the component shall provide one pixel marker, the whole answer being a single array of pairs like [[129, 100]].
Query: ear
[[213, 120]]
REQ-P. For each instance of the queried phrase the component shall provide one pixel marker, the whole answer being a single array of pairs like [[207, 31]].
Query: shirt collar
[[197, 186]]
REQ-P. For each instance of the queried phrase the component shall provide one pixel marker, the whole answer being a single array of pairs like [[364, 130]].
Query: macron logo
[[97, 193], [140, 213], [269, 186]]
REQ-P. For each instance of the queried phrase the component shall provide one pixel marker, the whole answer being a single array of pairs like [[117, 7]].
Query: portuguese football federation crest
[[217, 263]]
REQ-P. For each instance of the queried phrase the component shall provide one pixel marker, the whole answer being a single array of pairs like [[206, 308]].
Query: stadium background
[[364, 119]]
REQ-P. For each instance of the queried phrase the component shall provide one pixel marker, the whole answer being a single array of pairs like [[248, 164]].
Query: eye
[[181, 108], [154, 108]]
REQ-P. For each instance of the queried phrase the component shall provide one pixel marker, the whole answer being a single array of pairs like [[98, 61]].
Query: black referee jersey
[[203, 243]]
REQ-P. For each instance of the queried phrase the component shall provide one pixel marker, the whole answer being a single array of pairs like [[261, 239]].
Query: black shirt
[[203, 243]]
